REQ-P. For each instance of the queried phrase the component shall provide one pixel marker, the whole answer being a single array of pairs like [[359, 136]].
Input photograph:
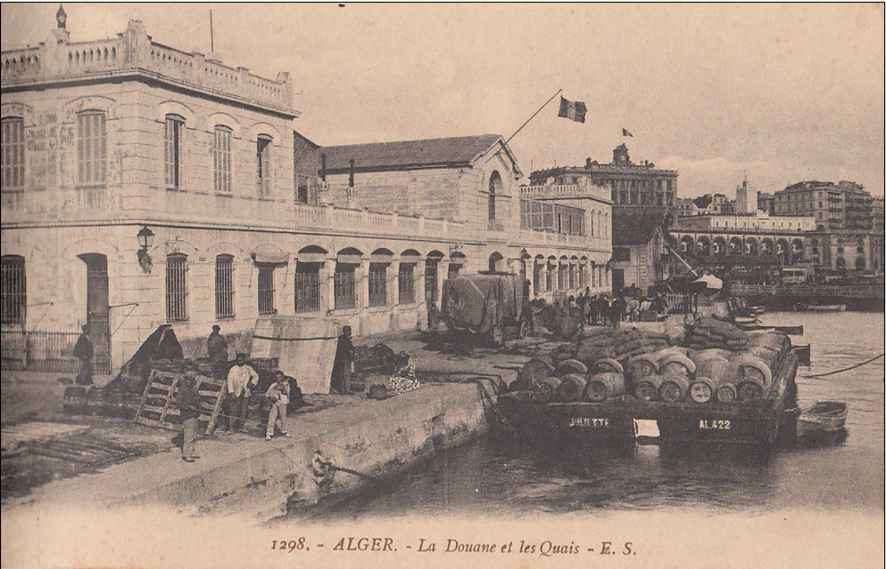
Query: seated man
[[278, 396]]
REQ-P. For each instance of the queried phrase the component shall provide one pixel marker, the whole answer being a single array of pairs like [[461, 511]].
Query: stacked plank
[[713, 333], [159, 407]]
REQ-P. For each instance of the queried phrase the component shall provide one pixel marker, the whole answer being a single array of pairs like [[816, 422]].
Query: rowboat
[[825, 307], [823, 417]]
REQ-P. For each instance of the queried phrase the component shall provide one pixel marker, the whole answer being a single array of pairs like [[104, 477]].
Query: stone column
[[393, 289], [442, 275], [363, 284], [327, 293]]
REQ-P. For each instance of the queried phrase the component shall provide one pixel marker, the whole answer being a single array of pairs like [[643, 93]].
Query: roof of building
[[407, 154], [635, 226]]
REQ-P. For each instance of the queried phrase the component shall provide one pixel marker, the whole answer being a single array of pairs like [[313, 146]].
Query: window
[[621, 254], [91, 148], [221, 159], [13, 290], [176, 288], [224, 286], [549, 278], [536, 277], [174, 127], [307, 287], [563, 277], [378, 287], [266, 289], [345, 289], [13, 143], [406, 283], [494, 189], [263, 166]]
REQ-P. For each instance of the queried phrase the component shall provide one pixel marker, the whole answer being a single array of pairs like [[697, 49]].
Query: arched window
[[13, 144], [495, 188], [176, 287], [263, 165], [92, 149], [224, 286], [173, 136]]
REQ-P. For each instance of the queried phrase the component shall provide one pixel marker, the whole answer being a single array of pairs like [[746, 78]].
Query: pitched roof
[[635, 225], [408, 154]]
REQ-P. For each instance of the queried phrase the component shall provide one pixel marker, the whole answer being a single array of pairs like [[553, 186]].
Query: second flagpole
[[534, 115]]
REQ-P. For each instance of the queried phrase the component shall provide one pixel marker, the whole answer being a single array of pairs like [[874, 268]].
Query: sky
[[780, 93]]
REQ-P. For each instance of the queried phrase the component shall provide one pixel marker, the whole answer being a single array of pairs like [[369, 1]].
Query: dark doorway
[[618, 279], [431, 289], [98, 309]]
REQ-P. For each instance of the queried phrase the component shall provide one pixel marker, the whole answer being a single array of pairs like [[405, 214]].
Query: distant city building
[[841, 206], [630, 184], [684, 207], [879, 214], [766, 202], [714, 204], [745, 199], [638, 248]]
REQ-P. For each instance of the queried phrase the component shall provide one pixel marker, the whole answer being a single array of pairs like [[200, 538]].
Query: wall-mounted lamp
[[145, 242]]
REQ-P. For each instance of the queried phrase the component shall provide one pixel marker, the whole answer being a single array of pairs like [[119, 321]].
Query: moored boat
[[823, 417]]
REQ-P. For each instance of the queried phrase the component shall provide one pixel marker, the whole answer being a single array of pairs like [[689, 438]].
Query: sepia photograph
[[521, 285]]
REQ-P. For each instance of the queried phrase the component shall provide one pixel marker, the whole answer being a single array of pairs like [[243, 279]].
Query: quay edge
[[261, 480]]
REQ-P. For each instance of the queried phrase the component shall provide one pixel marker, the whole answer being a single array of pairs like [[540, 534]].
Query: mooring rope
[[845, 368]]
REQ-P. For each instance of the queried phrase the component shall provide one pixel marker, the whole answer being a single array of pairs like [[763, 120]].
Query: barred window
[[378, 286], [562, 282], [263, 166], [176, 288], [13, 290], [345, 289], [91, 148], [266, 289], [406, 283], [221, 159], [13, 143], [536, 277], [174, 128], [224, 286], [307, 287]]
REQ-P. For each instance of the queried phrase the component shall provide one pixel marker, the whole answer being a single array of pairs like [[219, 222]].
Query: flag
[[626, 132], [572, 110]]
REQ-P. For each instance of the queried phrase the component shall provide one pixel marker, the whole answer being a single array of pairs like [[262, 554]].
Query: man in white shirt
[[240, 378]]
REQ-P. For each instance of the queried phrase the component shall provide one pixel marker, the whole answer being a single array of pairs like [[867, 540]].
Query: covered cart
[[491, 305]]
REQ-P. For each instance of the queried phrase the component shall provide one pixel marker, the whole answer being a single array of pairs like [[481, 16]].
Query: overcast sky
[[783, 93]]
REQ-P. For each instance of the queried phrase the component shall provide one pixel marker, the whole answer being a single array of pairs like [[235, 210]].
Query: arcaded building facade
[[143, 185]]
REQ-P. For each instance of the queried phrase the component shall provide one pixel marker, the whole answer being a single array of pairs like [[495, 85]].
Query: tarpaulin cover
[[305, 348], [479, 303], [162, 344]]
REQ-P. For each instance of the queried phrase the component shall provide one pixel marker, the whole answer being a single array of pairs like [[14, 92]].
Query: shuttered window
[[406, 283], [13, 290], [176, 288], [378, 286], [344, 286], [263, 166], [266, 289], [221, 159], [224, 286], [174, 128], [307, 287], [13, 152], [91, 148]]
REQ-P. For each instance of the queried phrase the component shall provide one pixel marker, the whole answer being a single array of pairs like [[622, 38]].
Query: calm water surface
[[488, 477]]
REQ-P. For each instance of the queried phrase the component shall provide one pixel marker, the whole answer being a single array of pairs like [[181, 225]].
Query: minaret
[[61, 25]]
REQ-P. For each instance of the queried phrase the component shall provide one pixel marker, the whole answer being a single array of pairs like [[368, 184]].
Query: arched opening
[[496, 262], [719, 246], [495, 188], [766, 247], [841, 263], [750, 246], [735, 246], [432, 262], [860, 264], [687, 245], [703, 246]]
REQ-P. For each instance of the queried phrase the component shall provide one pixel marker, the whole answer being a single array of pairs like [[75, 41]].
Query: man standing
[[217, 348], [189, 409], [343, 363], [83, 351], [240, 378], [278, 395]]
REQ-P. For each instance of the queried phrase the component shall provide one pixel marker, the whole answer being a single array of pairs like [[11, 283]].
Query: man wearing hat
[[241, 378], [278, 396], [217, 349], [189, 409]]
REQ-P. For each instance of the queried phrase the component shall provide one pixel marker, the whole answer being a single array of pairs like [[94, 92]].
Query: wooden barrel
[[571, 366], [572, 387], [702, 389], [673, 388], [602, 386], [700, 356], [641, 366], [746, 366], [714, 368], [545, 390], [751, 389], [726, 392], [646, 388], [607, 364], [676, 364]]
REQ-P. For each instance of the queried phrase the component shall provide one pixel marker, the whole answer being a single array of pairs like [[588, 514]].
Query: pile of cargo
[[726, 367]]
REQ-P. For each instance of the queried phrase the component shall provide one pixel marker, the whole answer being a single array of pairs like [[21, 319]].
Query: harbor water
[[491, 477]]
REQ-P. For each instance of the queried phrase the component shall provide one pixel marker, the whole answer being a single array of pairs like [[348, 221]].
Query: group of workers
[[241, 381], [610, 310]]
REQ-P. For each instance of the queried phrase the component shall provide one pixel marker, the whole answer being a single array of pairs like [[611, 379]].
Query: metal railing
[[45, 350]]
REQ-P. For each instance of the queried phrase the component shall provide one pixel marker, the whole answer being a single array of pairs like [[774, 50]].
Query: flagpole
[[533, 115]]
